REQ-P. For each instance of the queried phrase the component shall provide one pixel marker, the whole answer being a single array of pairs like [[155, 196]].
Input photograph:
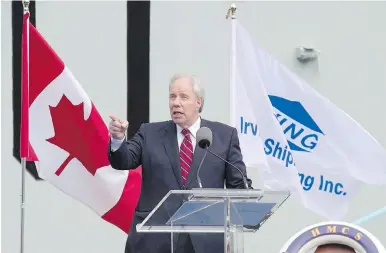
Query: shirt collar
[[193, 129]]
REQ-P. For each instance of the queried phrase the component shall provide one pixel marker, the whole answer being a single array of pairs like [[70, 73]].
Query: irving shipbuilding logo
[[301, 131]]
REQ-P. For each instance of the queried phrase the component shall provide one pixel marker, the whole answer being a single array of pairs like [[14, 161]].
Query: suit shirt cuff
[[116, 143]]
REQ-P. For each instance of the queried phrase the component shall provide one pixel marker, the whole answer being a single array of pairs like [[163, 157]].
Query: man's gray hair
[[196, 85]]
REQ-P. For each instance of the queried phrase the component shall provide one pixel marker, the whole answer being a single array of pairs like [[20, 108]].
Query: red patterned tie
[[186, 155]]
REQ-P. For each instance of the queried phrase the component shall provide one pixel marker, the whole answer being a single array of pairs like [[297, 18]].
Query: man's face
[[334, 249], [183, 103]]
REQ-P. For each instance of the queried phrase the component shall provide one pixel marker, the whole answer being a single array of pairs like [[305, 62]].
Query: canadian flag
[[63, 133]]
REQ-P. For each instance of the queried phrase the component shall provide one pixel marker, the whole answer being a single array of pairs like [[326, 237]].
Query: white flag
[[302, 133]]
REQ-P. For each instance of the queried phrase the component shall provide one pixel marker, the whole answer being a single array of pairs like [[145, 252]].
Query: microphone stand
[[206, 147], [242, 175], [199, 168]]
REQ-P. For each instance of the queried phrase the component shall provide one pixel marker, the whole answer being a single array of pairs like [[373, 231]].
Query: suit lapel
[[197, 157], [171, 147]]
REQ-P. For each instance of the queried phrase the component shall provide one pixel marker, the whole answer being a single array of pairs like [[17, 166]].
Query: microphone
[[204, 140]]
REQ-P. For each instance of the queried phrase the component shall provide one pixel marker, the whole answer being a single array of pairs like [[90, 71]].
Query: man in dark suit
[[169, 157]]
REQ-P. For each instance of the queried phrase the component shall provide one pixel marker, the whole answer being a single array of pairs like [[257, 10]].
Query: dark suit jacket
[[155, 147]]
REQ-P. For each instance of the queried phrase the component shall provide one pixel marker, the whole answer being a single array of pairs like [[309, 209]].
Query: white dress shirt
[[115, 143], [193, 131]]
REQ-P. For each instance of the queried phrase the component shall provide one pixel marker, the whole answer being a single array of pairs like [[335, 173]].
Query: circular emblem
[[336, 235]]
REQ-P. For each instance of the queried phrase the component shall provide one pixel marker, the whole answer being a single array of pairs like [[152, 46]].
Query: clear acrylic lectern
[[229, 211]]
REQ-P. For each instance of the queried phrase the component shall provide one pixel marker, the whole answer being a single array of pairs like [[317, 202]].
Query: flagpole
[[24, 159], [229, 238], [231, 14], [23, 163]]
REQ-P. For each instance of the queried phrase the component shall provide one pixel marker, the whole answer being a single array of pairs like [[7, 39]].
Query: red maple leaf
[[85, 140]]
